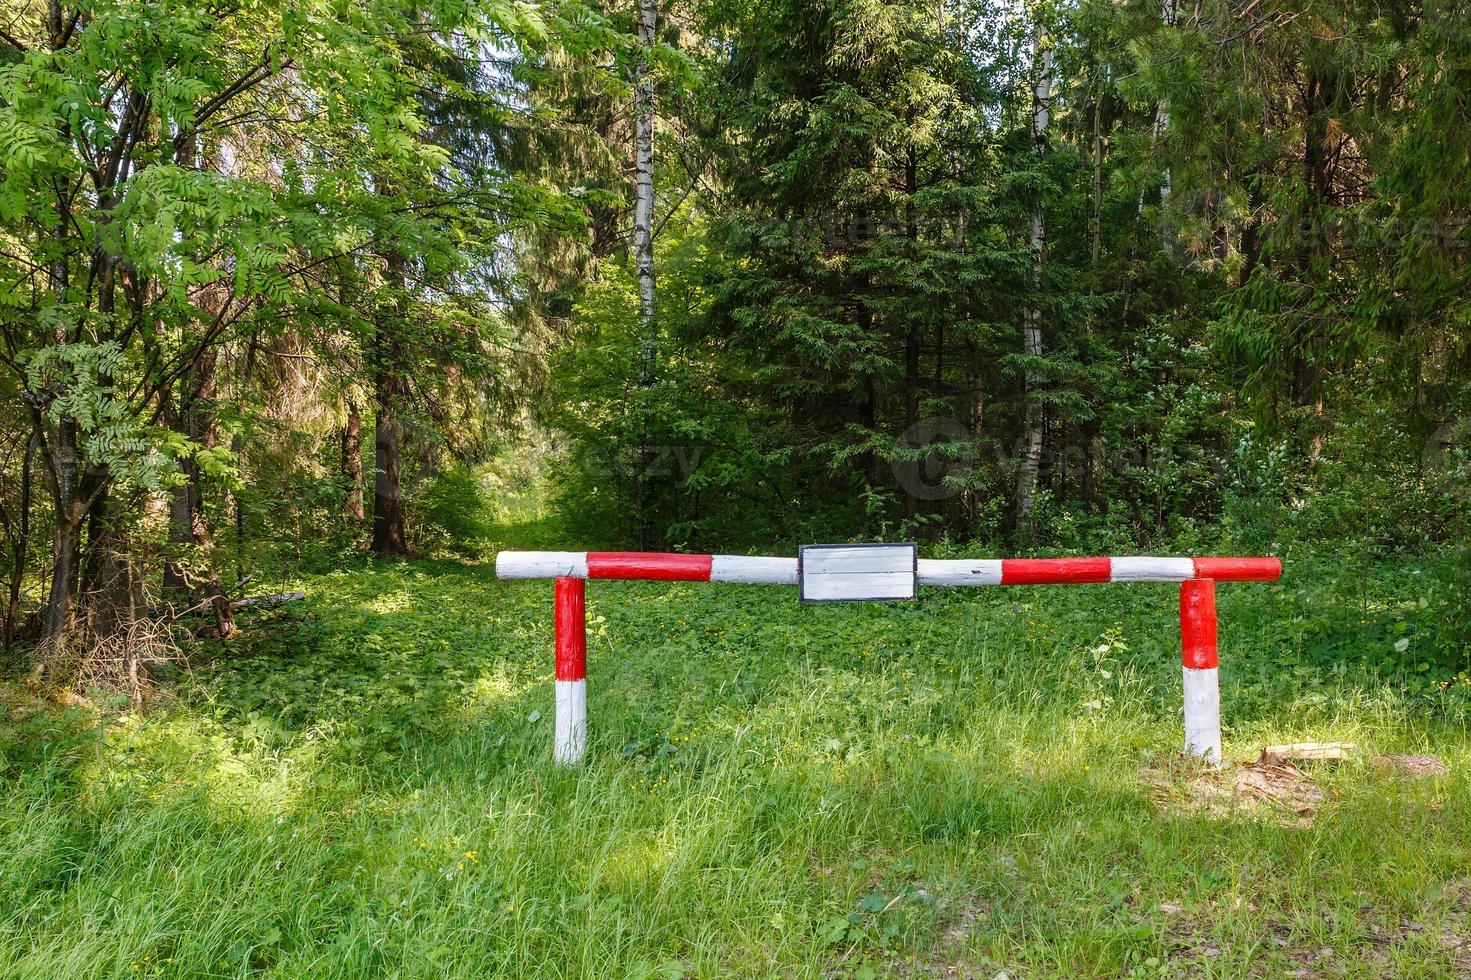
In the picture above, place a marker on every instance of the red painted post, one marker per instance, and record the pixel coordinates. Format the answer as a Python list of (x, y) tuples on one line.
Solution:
[(571, 646), (1200, 660)]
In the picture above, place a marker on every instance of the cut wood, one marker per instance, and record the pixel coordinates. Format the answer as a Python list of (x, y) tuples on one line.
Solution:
[(1307, 752)]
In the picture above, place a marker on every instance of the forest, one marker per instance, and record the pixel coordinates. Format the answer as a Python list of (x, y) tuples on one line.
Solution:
[(309, 307)]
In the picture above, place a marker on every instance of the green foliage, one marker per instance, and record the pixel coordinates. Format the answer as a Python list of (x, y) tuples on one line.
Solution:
[(1252, 299), (858, 263), (218, 225), (457, 511)]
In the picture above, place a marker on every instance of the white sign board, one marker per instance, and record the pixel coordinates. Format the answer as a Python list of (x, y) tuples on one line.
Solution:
[(856, 572)]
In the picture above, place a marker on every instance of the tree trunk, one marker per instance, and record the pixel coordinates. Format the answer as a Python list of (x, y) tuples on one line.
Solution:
[(1156, 133), (66, 547), (112, 592), (643, 247), (219, 603), (1031, 461), (976, 406), (175, 575), (389, 392), (388, 515), (189, 527), (237, 447), (59, 452), (643, 219), (1308, 368), (74, 489), (20, 544), (911, 333), (1095, 223), (869, 407), (351, 465), (1161, 124)]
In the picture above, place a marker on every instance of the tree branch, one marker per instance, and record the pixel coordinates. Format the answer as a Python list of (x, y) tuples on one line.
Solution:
[(71, 25)]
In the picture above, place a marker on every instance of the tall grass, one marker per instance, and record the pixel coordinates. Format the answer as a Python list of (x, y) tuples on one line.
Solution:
[(770, 790)]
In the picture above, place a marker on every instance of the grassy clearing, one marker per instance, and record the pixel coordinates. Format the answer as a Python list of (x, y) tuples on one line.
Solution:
[(771, 790)]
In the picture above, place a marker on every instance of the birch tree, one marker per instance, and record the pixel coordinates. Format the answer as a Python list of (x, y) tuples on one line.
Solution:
[(1031, 462), (643, 231), (1161, 125)]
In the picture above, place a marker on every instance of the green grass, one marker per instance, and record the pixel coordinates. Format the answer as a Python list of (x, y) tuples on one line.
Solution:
[(770, 790)]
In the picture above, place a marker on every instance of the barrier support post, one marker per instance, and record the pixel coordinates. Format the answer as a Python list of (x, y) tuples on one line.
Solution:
[(571, 649), (1199, 656)]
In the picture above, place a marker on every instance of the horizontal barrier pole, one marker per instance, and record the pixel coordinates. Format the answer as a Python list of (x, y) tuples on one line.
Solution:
[(665, 567)]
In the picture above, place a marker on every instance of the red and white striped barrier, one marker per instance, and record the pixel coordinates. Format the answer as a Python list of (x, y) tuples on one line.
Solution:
[(1197, 578), (571, 641)]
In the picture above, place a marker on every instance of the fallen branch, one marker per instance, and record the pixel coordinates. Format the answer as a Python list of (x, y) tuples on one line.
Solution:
[(268, 601)]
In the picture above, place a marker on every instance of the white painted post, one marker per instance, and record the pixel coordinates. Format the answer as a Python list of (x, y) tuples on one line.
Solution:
[(571, 722), (1201, 666)]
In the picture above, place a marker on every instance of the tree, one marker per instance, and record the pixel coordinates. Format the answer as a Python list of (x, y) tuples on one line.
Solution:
[(134, 262), (1031, 461), (643, 227), (390, 393)]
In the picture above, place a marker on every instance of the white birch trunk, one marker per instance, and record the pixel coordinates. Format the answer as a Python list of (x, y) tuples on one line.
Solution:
[(643, 215), (643, 240), (1031, 463), (1161, 124)]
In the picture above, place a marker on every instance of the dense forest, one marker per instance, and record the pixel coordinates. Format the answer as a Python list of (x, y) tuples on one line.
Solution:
[(331, 329), (286, 282)]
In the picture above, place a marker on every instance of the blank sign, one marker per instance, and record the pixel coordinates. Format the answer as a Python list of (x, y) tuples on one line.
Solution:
[(856, 572)]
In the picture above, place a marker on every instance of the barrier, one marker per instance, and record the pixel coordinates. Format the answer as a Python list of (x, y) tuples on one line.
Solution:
[(857, 571)]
